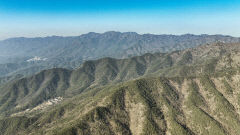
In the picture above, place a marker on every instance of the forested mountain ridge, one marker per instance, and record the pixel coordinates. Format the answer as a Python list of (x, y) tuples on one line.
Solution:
[(108, 44), (27, 56), (194, 91)]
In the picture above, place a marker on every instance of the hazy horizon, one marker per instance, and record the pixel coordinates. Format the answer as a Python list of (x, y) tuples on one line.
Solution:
[(113, 31), (41, 18)]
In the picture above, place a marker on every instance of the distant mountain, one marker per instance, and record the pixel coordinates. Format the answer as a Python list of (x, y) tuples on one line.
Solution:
[(109, 44), (17, 54), (194, 91)]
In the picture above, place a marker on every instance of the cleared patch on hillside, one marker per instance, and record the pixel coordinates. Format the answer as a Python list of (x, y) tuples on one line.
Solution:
[(136, 112)]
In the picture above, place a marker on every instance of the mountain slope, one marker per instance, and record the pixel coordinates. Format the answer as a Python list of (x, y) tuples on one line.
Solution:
[(145, 106), (197, 93), (112, 44), (221, 59), (29, 92), (164, 106), (17, 54)]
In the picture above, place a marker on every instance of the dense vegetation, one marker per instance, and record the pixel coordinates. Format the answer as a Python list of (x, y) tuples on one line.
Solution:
[(194, 91)]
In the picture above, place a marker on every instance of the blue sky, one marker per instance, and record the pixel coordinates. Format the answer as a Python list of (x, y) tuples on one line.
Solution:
[(31, 18)]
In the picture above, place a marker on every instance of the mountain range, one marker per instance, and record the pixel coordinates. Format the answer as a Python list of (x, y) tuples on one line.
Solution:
[(188, 91), (27, 56)]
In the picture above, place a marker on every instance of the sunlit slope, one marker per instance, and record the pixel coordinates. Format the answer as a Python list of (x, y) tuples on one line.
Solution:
[(194, 91), (202, 105)]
